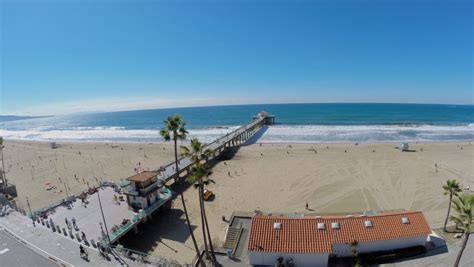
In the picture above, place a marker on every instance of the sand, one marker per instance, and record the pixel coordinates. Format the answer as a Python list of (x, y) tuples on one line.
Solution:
[(271, 177)]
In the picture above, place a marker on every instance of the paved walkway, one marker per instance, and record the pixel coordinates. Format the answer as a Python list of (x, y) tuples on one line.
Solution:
[(57, 248), (88, 219), (14, 253)]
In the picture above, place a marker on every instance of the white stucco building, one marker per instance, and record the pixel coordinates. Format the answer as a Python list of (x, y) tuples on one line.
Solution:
[(310, 241), (146, 192)]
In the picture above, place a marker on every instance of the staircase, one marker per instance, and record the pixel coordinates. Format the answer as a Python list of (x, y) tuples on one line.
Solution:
[(232, 238)]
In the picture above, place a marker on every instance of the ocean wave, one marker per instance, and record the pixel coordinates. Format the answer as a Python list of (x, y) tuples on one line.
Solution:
[(106, 134), (278, 133), (366, 133)]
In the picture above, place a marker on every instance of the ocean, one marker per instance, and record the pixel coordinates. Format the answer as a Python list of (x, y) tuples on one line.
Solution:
[(305, 123)]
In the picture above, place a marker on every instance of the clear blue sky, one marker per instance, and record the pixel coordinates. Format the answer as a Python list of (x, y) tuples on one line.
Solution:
[(69, 56)]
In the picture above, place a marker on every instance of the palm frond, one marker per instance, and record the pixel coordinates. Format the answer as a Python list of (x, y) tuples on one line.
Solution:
[(185, 150), (165, 134), (464, 207)]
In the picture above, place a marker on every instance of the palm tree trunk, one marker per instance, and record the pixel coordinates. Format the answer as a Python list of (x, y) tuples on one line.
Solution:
[(464, 243), (188, 222), (201, 192), (208, 234), (447, 215)]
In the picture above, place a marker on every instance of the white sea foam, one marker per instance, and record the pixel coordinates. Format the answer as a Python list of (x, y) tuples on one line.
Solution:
[(366, 133), (106, 134), (278, 133)]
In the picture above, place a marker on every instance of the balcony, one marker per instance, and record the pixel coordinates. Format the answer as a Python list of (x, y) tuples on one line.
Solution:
[(145, 191)]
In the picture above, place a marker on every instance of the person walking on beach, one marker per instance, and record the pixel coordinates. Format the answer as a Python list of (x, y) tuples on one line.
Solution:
[(83, 235), (307, 206)]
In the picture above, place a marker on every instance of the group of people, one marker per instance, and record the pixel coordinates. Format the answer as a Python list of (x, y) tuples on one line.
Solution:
[(73, 221), (102, 252)]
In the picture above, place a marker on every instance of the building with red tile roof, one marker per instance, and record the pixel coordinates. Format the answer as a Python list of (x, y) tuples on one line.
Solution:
[(309, 241)]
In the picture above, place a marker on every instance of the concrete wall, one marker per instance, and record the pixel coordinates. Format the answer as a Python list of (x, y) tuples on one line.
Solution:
[(300, 259), (343, 250)]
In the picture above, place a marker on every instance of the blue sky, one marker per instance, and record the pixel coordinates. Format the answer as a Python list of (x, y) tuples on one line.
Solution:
[(72, 56)]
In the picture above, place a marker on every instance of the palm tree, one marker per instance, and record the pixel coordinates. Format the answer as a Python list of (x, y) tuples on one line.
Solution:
[(464, 207), (199, 176), (355, 253), (451, 188), (174, 128)]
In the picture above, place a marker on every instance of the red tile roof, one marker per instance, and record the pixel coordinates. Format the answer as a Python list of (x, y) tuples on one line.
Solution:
[(143, 176), (300, 235)]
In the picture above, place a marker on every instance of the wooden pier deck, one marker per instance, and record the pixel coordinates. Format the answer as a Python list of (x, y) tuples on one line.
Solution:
[(234, 138)]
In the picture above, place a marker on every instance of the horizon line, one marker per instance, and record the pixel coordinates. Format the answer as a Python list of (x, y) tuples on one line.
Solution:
[(230, 105)]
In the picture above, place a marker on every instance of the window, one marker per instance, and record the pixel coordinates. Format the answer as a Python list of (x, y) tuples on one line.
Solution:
[(368, 223), (321, 226), (335, 225)]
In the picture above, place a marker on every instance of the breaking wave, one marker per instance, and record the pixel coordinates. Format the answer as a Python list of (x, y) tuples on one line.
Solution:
[(272, 134)]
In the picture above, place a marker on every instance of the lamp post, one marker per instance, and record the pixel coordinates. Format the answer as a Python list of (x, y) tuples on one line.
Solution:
[(103, 219), (4, 178), (65, 188), (31, 214)]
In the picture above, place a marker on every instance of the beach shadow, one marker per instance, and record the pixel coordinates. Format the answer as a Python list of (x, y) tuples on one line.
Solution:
[(253, 140), (410, 150), (168, 225), (436, 246), (168, 246)]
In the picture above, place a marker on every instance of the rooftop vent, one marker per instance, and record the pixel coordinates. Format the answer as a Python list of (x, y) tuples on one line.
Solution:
[(335, 225), (277, 226), (321, 226), (368, 223), (405, 220)]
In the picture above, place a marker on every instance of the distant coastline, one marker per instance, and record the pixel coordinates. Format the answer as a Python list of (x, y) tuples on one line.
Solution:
[(5, 118)]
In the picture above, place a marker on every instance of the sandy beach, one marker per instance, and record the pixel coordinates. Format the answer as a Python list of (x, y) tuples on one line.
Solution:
[(269, 177)]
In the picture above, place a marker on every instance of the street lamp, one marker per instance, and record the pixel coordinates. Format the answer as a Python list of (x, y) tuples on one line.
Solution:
[(103, 219), (4, 178)]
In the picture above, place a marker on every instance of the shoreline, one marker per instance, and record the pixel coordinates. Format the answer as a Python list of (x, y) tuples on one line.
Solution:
[(130, 142)]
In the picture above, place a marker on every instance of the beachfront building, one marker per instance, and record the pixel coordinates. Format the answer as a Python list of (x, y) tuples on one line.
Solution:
[(146, 194), (144, 190), (311, 241)]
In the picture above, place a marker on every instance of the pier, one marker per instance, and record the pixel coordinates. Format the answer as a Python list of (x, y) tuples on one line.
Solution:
[(232, 139), (155, 181)]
